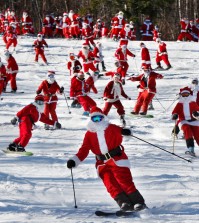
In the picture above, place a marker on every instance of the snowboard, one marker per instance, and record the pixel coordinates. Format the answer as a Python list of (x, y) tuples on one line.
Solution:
[(8, 152)]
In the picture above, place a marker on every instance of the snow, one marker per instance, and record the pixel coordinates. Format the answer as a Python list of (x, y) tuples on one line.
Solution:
[(39, 188)]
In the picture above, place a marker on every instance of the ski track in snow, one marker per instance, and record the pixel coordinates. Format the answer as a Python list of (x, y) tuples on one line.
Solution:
[(38, 189)]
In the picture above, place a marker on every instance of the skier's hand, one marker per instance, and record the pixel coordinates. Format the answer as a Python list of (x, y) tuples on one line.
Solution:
[(14, 121), (195, 114), (58, 125), (61, 90), (126, 132), (174, 117), (71, 164), (129, 98), (38, 92)]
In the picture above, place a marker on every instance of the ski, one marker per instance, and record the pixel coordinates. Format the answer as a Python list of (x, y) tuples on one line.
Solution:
[(115, 213), (8, 152), (10, 92), (142, 116)]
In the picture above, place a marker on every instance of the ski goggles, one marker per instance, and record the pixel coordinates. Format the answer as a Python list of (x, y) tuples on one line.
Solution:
[(97, 118), (51, 75), (185, 94), (40, 102)]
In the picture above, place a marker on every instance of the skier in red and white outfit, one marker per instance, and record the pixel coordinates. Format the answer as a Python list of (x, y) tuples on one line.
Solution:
[(125, 34), (74, 27), (187, 111), (27, 117), (133, 30), (99, 58), (104, 140), (184, 33), (50, 87), (13, 21), (58, 27), (87, 35), (147, 30), (27, 25), (88, 59), (66, 25), (195, 90), (47, 29), (80, 89), (156, 33), (39, 48), (118, 23), (97, 29), (194, 31), (3, 77), (11, 70), (162, 54), (121, 54), (111, 96), (145, 56), (10, 38), (147, 90)]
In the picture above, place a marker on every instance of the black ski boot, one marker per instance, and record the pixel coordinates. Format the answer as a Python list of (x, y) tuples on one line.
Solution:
[(12, 146), (137, 200), (20, 148), (124, 202), (122, 120)]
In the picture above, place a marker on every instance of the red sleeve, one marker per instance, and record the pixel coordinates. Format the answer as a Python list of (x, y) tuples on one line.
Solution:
[(23, 112), (129, 53), (69, 65), (40, 88), (122, 92)]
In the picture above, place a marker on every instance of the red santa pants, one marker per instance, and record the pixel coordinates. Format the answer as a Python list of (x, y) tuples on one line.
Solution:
[(66, 32), (50, 109), (74, 30), (10, 42), (117, 104), (86, 102), (125, 66), (143, 101), (12, 79), (115, 32), (163, 57), (27, 30), (47, 31), (191, 131), (41, 53), (186, 36), (124, 42), (25, 133), (116, 179), (89, 66)]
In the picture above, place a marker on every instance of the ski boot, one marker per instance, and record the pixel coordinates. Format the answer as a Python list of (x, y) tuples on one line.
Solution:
[(122, 120), (46, 127), (190, 152), (124, 202), (142, 113), (134, 113), (20, 148), (12, 146), (151, 106)]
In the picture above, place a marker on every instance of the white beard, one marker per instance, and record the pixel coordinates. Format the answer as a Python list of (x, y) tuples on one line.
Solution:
[(98, 126), (40, 108), (85, 52)]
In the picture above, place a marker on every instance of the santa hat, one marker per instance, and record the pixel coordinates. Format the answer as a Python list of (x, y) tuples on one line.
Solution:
[(96, 111), (39, 97), (185, 90), (50, 72), (146, 67)]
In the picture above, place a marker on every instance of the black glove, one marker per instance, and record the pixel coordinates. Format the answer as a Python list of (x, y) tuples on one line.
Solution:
[(174, 116), (61, 90), (195, 114), (33, 45), (38, 92), (46, 46), (14, 121), (58, 125), (126, 132), (176, 130), (138, 86), (71, 164)]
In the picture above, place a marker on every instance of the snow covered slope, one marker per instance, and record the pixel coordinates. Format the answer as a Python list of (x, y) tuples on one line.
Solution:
[(39, 189)]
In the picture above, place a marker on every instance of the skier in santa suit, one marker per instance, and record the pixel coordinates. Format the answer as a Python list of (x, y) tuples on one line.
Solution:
[(121, 54), (113, 167), (156, 33), (58, 27), (195, 90), (162, 54), (125, 34), (194, 31), (74, 27), (87, 35), (111, 96), (27, 26), (13, 21), (145, 55), (39, 44), (27, 117), (97, 32), (184, 34), (99, 58), (133, 30), (50, 87), (66, 25), (11, 38), (47, 29), (3, 77), (187, 111), (147, 89), (118, 23), (11, 70), (147, 30), (80, 89), (88, 58)]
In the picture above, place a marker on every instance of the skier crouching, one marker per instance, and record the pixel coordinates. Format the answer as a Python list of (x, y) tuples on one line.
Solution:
[(104, 140)]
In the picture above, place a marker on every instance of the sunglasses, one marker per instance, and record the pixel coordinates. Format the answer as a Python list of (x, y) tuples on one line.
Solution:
[(97, 118), (185, 95)]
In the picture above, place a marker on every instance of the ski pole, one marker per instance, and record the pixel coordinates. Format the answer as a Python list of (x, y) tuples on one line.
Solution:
[(67, 104), (161, 148), (160, 103), (174, 135), (73, 188), (172, 103)]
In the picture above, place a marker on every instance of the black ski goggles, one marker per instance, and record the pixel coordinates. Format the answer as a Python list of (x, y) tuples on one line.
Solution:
[(97, 118), (40, 102), (185, 94)]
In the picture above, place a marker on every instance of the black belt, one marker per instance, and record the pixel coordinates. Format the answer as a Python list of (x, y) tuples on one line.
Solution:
[(114, 152)]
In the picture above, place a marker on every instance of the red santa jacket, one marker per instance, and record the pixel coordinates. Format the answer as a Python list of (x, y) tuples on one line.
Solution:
[(97, 52), (74, 66), (87, 58), (185, 26), (10, 36), (102, 143), (40, 44), (113, 91), (185, 110), (74, 19), (162, 48), (148, 82), (124, 34), (2, 71), (145, 56), (122, 56), (66, 22), (32, 115), (49, 91), (87, 32), (118, 22), (80, 87), (26, 22), (12, 67), (147, 29)]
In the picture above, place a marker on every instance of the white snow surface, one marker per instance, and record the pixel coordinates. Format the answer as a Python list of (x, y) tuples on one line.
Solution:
[(39, 188)]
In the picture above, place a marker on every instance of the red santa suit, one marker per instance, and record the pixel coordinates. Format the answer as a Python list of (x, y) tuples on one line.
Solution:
[(74, 66), (112, 93), (121, 54), (49, 89), (27, 26), (145, 56), (147, 30), (87, 35), (119, 70), (118, 23), (27, 118), (39, 48), (125, 34), (80, 89), (104, 140), (11, 39), (189, 124), (3, 77), (58, 27), (88, 58), (147, 89), (97, 29), (194, 31), (74, 27), (99, 58), (66, 25), (162, 54), (47, 29), (184, 34), (12, 70)]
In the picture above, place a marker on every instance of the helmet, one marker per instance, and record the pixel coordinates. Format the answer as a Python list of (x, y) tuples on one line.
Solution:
[(39, 97)]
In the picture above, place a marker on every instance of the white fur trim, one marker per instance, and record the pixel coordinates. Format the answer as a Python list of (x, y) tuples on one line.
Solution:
[(194, 123), (102, 141), (76, 159), (96, 113)]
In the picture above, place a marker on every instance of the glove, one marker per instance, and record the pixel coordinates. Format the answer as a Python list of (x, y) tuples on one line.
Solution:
[(134, 56), (195, 114), (174, 116), (33, 45), (138, 86), (71, 164), (14, 121), (46, 46), (129, 98), (176, 130), (61, 90), (126, 132), (58, 125), (38, 92)]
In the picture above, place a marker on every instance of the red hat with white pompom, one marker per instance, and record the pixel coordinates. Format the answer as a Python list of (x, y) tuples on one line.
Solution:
[(96, 111), (185, 90)]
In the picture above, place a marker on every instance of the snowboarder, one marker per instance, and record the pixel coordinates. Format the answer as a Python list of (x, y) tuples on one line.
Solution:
[(105, 141), (27, 117), (187, 111)]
